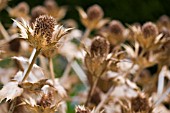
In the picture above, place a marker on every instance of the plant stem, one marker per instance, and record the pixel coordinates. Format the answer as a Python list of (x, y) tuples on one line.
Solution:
[(67, 70), (51, 69), (86, 34), (26, 72), (104, 100), (90, 94), (4, 32)]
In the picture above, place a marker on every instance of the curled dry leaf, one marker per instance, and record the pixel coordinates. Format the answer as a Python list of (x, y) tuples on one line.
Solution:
[(10, 91), (33, 86)]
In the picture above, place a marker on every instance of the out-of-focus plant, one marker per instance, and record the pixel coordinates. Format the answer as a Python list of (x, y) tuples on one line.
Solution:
[(111, 71)]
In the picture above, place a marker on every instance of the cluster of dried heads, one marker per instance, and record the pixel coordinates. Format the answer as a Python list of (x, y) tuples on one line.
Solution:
[(122, 69)]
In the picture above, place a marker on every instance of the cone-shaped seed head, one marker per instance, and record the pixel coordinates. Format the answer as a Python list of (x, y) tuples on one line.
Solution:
[(95, 12), (44, 26)]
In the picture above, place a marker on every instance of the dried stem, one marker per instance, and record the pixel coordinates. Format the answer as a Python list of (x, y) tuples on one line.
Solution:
[(51, 69), (92, 89), (67, 70), (4, 32), (26, 72), (104, 100), (86, 34), (68, 67)]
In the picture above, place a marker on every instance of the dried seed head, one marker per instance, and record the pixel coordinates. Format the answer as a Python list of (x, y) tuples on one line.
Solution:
[(149, 29), (99, 47), (37, 11), (95, 12), (50, 4), (3, 4), (116, 27), (140, 103), (164, 20), (81, 109), (44, 26), (23, 7), (46, 100)]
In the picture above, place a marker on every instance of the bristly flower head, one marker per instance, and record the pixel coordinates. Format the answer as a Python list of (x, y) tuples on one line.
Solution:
[(116, 27), (149, 29), (99, 47), (37, 11), (95, 12), (45, 33), (44, 26), (140, 103), (93, 18)]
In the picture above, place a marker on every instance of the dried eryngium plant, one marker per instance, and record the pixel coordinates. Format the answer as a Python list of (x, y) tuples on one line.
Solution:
[(44, 35), (114, 69)]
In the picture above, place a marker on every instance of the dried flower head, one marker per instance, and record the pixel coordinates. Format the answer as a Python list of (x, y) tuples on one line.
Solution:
[(149, 29), (37, 11), (45, 33), (50, 4), (93, 18), (115, 32), (81, 109), (21, 10), (116, 27), (140, 103), (99, 47), (3, 4), (44, 26), (95, 12), (54, 10), (164, 20), (96, 59)]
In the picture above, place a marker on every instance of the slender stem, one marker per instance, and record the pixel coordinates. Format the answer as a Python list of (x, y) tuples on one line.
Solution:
[(51, 69), (26, 72), (92, 89), (4, 32), (67, 70), (104, 100), (86, 34)]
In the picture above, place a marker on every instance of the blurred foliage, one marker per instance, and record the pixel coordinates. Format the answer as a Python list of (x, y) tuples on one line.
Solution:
[(127, 11)]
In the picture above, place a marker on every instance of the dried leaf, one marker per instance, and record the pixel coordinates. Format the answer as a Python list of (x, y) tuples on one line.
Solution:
[(33, 86), (10, 91)]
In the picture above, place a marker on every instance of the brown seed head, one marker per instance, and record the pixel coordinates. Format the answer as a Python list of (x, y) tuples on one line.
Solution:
[(23, 7), (149, 29), (95, 12), (164, 20), (37, 11), (99, 47), (46, 100), (140, 103), (50, 4), (81, 109), (44, 26), (116, 27)]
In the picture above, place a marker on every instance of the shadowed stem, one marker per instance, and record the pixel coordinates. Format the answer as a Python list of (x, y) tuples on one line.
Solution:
[(26, 73), (4, 32), (90, 94), (104, 100), (68, 67), (51, 69), (86, 34)]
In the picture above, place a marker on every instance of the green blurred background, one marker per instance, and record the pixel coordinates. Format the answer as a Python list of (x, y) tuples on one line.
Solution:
[(127, 11)]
